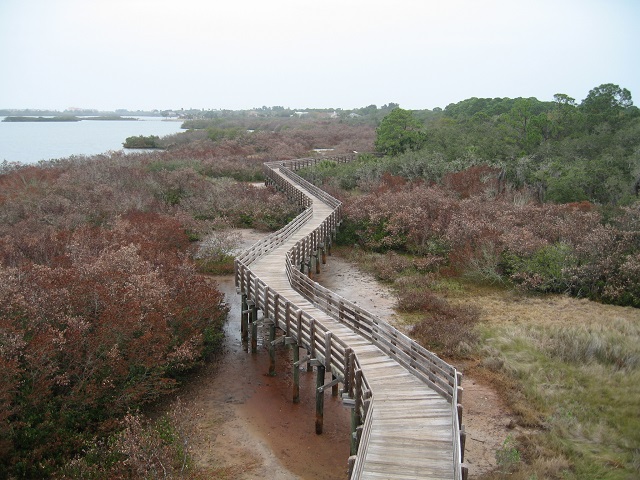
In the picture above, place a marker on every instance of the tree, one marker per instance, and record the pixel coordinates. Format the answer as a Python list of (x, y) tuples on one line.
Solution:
[(529, 122), (606, 103), (399, 132), (565, 117)]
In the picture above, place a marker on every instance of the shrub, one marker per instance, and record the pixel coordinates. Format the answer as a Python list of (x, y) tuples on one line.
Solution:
[(142, 141), (507, 456), (109, 326), (139, 449), (544, 271), (444, 328)]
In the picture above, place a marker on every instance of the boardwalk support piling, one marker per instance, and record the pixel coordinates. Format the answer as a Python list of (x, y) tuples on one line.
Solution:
[(296, 374), (320, 371), (244, 318), (352, 463), (352, 442), (254, 329), (272, 350)]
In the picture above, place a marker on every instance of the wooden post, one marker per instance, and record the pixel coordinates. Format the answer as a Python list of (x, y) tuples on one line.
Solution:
[(460, 390), (317, 262), (287, 318), (299, 327), (353, 445), (254, 329), (272, 350), (352, 463), (323, 246), (347, 370), (244, 319), (358, 397), (334, 388), (312, 346), (352, 374), (296, 374), (265, 311), (320, 371), (327, 350)]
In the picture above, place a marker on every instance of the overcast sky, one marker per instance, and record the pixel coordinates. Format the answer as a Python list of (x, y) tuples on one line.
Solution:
[(240, 54)]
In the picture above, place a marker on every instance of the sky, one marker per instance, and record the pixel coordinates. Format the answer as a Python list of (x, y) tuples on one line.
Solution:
[(243, 54)]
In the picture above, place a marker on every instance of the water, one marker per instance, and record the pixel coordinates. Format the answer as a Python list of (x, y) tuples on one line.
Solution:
[(30, 142)]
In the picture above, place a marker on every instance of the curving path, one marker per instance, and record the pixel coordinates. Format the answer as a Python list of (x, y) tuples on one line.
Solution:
[(406, 413)]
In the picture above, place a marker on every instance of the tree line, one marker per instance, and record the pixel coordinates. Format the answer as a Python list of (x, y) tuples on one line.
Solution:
[(570, 152), (539, 195)]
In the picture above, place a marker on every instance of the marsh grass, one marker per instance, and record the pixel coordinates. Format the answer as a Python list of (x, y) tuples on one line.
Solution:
[(581, 382)]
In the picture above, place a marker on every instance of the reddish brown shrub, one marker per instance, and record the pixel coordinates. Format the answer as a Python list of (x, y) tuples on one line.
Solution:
[(474, 181)]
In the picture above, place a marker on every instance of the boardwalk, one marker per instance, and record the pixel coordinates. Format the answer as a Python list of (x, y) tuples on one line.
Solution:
[(405, 400)]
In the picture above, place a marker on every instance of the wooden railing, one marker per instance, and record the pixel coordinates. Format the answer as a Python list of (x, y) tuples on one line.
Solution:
[(301, 328)]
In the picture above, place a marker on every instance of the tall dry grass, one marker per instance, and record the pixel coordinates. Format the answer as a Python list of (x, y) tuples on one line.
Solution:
[(572, 373)]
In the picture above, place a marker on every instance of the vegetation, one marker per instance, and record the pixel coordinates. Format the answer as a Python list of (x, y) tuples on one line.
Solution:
[(117, 118), (141, 141), (570, 372), (103, 307), (537, 221), (398, 132), (63, 118), (518, 198)]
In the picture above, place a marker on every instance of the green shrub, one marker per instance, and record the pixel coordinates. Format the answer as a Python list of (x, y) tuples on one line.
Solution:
[(507, 456), (544, 271), (151, 141)]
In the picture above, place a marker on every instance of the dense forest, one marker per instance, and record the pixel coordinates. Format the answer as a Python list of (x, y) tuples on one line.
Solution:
[(104, 302)]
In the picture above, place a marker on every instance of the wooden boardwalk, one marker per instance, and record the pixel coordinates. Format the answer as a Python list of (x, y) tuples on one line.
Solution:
[(405, 399)]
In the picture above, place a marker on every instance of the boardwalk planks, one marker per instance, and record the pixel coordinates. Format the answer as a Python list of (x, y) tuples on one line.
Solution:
[(405, 396)]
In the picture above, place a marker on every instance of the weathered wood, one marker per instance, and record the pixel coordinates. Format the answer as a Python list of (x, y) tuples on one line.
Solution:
[(272, 350), (334, 387), (244, 319), (399, 390), (320, 373), (287, 318), (296, 374), (254, 329)]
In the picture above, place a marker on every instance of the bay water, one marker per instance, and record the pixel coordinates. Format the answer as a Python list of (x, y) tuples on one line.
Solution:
[(30, 142)]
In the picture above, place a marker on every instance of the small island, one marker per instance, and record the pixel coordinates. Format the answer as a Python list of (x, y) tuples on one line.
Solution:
[(141, 141), (66, 118), (61, 118), (111, 118)]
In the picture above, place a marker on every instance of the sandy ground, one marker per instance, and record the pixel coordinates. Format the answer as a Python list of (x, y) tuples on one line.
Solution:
[(246, 426)]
